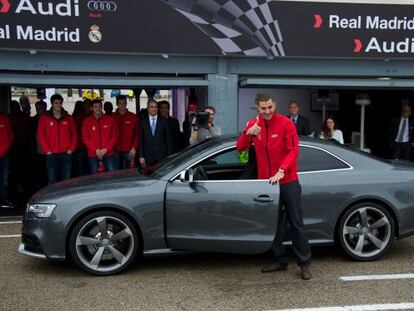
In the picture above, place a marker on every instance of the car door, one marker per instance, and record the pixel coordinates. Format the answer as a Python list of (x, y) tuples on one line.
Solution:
[(214, 210)]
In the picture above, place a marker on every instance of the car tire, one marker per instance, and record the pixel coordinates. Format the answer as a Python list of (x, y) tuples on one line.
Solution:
[(104, 243), (366, 231)]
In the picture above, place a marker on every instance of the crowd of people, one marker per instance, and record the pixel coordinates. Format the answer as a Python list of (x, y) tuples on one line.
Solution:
[(54, 145)]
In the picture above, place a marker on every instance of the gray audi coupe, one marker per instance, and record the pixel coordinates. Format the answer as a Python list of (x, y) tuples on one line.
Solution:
[(201, 200)]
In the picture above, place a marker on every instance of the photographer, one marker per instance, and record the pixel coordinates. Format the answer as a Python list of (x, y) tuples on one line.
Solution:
[(203, 127)]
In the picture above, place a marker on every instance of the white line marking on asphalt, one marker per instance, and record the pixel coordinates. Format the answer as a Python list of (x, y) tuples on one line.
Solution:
[(377, 277), (381, 307), (10, 222), (10, 236)]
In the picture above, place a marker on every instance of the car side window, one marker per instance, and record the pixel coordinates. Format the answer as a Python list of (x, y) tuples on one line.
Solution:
[(226, 165), (312, 159)]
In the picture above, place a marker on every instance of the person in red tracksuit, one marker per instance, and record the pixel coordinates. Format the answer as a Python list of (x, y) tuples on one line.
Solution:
[(100, 135), (6, 139), (58, 139), (276, 145), (128, 126)]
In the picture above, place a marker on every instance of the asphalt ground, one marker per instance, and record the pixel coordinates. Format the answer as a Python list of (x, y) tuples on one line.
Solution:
[(200, 282)]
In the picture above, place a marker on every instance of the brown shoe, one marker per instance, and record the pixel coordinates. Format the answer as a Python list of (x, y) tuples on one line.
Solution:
[(276, 266), (306, 274)]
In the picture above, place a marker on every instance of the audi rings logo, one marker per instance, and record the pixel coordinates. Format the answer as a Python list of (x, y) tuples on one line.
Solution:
[(102, 6)]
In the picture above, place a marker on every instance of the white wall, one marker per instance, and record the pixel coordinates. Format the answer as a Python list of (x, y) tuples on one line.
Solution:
[(247, 107)]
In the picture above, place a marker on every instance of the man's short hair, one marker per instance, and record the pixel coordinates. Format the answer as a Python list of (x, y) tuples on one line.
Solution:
[(56, 97), (210, 108), (263, 97), (152, 101), (41, 103), (121, 97), (293, 102), (164, 102), (96, 101)]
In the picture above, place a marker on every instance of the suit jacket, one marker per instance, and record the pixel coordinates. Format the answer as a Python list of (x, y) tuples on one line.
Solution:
[(154, 148), (302, 125), (395, 126)]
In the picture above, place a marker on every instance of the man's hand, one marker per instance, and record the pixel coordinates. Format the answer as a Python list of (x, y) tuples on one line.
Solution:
[(142, 162), (132, 153), (255, 129), (278, 176), (104, 151), (49, 153)]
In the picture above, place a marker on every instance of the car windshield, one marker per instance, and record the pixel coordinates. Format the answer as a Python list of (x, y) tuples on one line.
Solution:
[(188, 153)]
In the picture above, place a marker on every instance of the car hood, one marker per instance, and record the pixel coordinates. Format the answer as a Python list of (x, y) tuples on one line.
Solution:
[(96, 182), (402, 165)]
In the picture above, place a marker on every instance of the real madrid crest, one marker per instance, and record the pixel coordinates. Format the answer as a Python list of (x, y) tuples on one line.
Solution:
[(95, 35)]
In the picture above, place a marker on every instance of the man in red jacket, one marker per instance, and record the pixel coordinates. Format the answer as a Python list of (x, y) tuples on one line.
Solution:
[(100, 134), (128, 127), (6, 139), (276, 146), (57, 138)]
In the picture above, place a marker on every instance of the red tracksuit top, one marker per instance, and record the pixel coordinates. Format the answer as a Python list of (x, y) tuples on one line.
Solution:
[(276, 147), (57, 136), (6, 135), (128, 125), (100, 133)]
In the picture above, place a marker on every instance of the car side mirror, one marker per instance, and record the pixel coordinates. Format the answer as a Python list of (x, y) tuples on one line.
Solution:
[(187, 176)]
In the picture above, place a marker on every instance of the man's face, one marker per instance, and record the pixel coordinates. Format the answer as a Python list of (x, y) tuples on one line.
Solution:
[(122, 104), (164, 111), (406, 112), (211, 115), (97, 109), (152, 109), (293, 109), (40, 109), (266, 109), (57, 105)]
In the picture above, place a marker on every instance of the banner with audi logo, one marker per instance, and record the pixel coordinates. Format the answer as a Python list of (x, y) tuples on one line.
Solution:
[(255, 28)]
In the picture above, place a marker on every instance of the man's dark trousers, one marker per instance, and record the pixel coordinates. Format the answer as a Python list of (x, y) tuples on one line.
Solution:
[(401, 151), (290, 209)]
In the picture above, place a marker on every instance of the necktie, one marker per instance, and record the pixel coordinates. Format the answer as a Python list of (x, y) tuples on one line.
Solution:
[(153, 125), (400, 138), (294, 120)]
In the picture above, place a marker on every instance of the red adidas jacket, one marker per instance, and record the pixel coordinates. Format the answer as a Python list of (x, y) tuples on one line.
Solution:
[(276, 147), (57, 136), (100, 133), (6, 135), (128, 125)]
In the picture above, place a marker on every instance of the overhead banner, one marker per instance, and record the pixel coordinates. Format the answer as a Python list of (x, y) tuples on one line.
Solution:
[(256, 28)]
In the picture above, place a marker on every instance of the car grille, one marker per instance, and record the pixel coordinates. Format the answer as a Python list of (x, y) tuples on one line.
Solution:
[(31, 243)]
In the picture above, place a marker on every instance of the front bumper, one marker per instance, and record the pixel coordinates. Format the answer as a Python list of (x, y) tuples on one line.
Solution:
[(23, 251)]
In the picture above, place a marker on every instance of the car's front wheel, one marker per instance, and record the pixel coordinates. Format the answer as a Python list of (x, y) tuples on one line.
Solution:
[(104, 243), (366, 231)]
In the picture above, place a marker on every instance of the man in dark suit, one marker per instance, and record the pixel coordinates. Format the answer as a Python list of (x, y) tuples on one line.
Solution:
[(400, 135), (301, 123), (173, 126), (154, 141)]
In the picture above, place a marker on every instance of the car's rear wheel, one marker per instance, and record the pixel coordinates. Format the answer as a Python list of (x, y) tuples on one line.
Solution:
[(104, 243), (366, 231)]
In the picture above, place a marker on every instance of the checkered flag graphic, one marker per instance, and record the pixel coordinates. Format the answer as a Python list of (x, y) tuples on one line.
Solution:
[(244, 27)]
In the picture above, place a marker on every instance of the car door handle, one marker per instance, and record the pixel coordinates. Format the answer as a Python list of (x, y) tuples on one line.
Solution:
[(263, 198)]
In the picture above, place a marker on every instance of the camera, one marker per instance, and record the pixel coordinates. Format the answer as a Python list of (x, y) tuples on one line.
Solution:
[(201, 119)]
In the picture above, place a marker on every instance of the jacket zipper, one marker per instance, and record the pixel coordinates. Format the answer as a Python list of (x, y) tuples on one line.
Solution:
[(267, 148), (100, 134)]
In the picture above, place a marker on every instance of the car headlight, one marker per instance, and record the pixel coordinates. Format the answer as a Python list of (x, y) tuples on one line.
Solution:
[(41, 210)]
